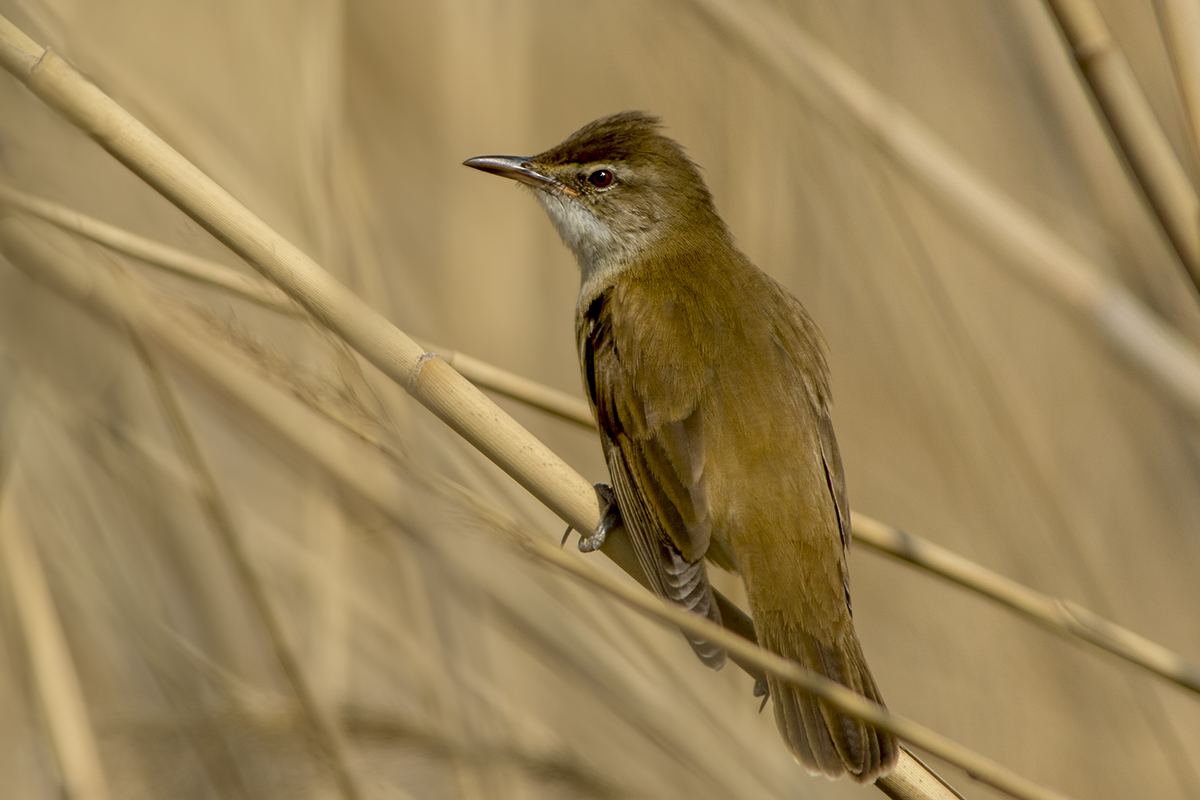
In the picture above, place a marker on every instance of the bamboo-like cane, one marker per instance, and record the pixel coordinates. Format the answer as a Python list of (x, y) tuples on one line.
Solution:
[(357, 471), (1061, 616), (509, 384), (56, 683), (1135, 129), (1037, 255)]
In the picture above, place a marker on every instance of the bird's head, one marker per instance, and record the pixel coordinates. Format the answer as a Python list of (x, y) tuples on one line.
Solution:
[(616, 189)]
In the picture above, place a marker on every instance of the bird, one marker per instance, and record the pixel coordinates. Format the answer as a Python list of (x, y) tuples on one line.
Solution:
[(709, 385)]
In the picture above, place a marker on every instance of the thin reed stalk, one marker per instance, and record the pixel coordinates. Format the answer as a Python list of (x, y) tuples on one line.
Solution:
[(357, 470), (152, 252), (1037, 255), (264, 293), (1181, 20), (371, 725), (324, 728), (1136, 131), (55, 679), (1062, 616)]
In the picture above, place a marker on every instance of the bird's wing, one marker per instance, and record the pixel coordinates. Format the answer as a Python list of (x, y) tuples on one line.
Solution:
[(665, 470), (798, 335), (655, 454), (657, 443), (831, 459)]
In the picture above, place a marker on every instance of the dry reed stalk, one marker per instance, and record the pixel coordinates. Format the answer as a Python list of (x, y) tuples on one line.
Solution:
[(321, 723), (160, 255), (328, 656), (1039, 257), (710, 753), (509, 384), (374, 726), (1181, 18), (55, 680), (359, 471), (1061, 616), (1135, 129)]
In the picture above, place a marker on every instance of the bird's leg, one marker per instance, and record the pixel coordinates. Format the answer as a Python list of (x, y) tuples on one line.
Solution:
[(610, 517)]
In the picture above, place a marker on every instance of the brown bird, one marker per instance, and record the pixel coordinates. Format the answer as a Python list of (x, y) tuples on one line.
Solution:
[(709, 385)]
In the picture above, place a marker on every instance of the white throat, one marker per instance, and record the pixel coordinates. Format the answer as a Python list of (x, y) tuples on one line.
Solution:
[(599, 251)]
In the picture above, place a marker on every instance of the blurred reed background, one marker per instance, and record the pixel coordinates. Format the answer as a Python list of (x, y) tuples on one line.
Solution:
[(170, 567)]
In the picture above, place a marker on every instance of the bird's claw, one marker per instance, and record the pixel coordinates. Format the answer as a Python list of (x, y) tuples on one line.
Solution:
[(762, 689), (610, 517)]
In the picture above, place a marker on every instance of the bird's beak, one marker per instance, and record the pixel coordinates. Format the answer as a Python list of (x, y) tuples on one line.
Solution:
[(518, 168)]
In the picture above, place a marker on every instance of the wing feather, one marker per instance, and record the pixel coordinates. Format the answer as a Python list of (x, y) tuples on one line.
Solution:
[(655, 454)]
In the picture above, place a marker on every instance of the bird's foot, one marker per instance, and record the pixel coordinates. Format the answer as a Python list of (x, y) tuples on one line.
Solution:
[(610, 517)]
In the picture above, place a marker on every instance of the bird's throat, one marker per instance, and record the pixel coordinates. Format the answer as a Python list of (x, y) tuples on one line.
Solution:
[(599, 250)]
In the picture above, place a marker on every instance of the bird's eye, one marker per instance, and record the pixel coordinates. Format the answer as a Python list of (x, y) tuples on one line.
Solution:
[(600, 178)]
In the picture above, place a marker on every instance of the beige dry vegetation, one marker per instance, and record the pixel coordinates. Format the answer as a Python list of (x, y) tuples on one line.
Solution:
[(211, 589)]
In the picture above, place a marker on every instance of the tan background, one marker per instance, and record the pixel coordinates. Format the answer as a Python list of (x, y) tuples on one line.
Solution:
[(970, 409)]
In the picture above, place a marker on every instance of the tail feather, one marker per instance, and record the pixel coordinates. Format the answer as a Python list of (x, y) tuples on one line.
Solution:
[(851, 736), (824, 750), (822, 738), (791, 724)]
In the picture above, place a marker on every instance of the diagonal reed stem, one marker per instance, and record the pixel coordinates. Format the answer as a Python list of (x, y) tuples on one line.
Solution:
[(1061, 616)]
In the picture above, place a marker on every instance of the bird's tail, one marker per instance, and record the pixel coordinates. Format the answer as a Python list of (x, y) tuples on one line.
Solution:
[(822, 738)]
